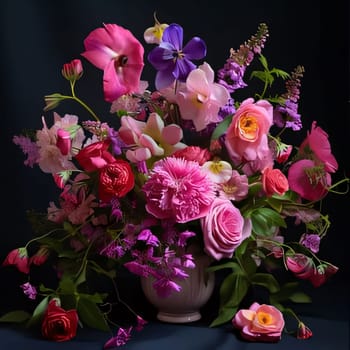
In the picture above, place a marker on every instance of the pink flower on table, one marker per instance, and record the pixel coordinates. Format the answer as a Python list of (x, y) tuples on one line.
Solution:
[(274, 182), (122, 337), (263, 323), (246, 137), (224, 229), (151, 138), (119, 54), (19, 258), (178, 189), (303, 332), (203, 98)]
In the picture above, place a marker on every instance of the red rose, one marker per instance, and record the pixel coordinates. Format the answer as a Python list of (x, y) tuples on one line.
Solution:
[(116, 180), (95, 156), (59, 324), (195, 153), (274, 181)]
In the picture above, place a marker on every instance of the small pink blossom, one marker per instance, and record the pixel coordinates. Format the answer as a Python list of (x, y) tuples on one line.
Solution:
[(151, 138), (236, 188), (202, 99)]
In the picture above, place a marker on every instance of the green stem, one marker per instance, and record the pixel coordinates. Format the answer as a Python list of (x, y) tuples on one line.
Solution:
[(43, 236)]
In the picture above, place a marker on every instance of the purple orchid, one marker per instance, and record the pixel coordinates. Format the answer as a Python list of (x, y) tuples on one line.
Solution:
[(171, 60)]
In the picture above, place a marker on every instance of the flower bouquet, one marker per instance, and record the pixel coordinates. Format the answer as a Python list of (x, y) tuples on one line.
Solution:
[(184, 163)]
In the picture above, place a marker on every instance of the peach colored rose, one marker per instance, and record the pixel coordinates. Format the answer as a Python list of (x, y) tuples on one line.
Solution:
[(246, 137), (224, 229), (260, 323), (274, 181)]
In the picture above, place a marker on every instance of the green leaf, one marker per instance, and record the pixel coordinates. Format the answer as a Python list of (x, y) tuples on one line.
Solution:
[(232, 290), (228, 265), (225, 315), (91, 315), (67, 286), (266, 280), (221, 128), (280, 73), (17, 316), (81, 277), (93, 266), (275, 204), (39, 311), (96, 298), (300, 297)]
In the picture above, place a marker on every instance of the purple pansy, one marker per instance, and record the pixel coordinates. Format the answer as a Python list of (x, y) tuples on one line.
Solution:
[(171, 60)]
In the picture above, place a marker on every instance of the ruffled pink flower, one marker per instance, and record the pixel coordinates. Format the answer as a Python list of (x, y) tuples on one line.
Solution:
[(151, 138), (236, 188), (119, 54), (263, 323), (224, 229), (203, 98), (246, 137), (178, 189)]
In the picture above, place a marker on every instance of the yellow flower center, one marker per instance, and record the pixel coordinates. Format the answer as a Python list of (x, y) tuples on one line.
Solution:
[(264, 318), (248, 127)]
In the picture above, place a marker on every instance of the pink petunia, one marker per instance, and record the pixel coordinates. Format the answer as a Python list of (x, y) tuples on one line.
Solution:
[(119, 54), (178, 189)]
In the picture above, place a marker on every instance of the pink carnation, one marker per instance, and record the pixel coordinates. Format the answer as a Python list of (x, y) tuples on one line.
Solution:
[(178, 189)]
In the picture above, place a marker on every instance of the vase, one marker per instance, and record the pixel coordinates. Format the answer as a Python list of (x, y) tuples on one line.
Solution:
[(183, 306)]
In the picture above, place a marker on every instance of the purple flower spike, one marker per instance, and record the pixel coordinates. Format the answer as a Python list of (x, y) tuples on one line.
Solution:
[(171, 60)]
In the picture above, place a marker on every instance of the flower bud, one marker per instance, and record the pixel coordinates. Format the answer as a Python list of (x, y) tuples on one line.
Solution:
[(73, 70), (63, 142)]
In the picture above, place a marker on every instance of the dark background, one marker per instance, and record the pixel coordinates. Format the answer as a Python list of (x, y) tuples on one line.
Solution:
[(38, 37)]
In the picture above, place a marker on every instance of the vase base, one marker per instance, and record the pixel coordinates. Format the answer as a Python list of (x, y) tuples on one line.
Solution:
[(178, 318)]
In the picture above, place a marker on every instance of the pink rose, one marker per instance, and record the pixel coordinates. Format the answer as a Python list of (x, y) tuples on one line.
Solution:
[(274, 181), (224, 229), (259, 323), (95, 156), (246, 137)]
